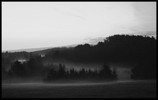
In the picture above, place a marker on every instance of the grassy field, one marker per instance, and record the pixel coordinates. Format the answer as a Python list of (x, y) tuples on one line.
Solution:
[(129, 89)]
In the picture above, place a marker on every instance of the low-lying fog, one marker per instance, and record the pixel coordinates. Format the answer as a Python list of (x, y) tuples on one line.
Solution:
[(75, 83), (123, 70)]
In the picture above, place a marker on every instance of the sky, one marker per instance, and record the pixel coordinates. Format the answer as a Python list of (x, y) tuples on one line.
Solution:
[(53, 24)]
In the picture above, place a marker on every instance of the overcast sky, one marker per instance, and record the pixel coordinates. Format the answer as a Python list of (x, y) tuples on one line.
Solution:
[(51, 24)]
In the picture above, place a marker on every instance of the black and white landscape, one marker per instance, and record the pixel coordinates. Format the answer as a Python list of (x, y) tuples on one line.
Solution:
[(79, 50)]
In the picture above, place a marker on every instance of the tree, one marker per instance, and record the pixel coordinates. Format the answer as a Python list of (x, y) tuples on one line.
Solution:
[(82, 73), (106, 72), (17, 69), (144, 70), (61, 71), (35, 66), (114, 74)]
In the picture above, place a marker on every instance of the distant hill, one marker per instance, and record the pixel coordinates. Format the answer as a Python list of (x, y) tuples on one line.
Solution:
[(28, 50), (114, 47), (38, 50), (48, 50)]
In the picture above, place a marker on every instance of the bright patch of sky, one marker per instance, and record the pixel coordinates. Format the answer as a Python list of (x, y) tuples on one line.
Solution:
[(52, 24)]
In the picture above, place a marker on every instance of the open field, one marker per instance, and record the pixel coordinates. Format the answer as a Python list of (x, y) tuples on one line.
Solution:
[(119, 89)]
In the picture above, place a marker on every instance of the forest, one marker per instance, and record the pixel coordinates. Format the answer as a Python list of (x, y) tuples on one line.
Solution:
[(117, 48)]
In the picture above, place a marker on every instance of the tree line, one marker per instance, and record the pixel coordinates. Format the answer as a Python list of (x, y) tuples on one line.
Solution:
[(33, 67), (105, 74), (114, 48)]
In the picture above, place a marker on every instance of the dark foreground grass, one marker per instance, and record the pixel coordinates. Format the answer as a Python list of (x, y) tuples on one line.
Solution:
[(136, 89)]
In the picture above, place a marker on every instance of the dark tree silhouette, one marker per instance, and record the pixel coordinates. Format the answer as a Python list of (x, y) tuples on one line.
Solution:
[(17, 69), (106, 72), (114, 48), (114, 74), (144, 70), (61, 73), (35, 66)]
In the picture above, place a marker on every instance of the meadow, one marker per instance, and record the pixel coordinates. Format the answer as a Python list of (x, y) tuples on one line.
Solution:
[(115, 89)]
